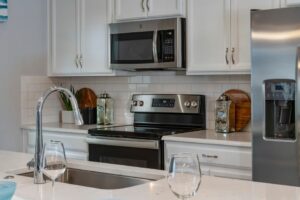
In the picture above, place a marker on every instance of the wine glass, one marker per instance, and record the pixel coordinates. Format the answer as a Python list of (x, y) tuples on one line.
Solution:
[(54, 160), (184, 175)]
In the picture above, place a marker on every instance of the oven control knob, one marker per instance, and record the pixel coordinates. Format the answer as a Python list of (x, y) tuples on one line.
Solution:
[(141, 103), (134, 103), (194, 104), (187, 104)]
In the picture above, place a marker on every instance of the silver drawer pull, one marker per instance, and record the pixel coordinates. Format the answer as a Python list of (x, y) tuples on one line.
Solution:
[(209, 156), (143, 5), (76, 61), (232, 56), (226, 56), (148, 6), (81, 61)]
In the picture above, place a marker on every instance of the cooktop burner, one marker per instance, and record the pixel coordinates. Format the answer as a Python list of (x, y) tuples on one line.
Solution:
[(142, 132)]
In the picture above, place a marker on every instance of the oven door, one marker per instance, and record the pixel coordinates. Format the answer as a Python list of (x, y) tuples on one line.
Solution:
[(132, 152)]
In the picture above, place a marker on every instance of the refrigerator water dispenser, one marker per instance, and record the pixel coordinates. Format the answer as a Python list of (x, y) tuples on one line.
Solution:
[(280, 109)]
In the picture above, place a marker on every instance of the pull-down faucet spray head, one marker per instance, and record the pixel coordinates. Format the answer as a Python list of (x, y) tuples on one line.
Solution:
[(38, 175)]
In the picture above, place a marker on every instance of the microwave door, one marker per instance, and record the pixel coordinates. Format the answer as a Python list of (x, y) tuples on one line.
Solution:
[(132, 49)]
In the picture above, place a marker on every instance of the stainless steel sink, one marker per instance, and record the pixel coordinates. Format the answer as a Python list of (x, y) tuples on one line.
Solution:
[(96, 179)]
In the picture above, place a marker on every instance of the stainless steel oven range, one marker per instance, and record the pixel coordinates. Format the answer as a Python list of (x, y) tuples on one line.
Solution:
[(140, 144)]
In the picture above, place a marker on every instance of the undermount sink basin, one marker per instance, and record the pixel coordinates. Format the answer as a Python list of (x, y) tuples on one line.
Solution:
[(96, 179)]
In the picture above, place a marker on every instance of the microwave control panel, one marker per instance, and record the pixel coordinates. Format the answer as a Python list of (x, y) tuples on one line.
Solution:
[(168, 45)]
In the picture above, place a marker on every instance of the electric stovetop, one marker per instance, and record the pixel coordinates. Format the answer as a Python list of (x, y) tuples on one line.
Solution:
[(138, 131)]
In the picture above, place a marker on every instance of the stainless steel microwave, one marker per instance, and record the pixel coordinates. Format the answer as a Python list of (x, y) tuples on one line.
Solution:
[(148, 45)]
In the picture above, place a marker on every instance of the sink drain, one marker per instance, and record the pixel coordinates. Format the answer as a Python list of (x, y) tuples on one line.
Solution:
[(9, 177)]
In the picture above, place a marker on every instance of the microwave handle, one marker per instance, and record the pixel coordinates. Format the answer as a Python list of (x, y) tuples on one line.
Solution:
[(154, 46)]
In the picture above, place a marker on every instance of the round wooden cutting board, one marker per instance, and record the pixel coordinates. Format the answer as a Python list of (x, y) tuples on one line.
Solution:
[(242, 107), (86, 98)]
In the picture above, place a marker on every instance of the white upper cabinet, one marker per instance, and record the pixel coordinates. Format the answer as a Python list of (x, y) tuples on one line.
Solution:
[(219, 35), (126, 10), (78, 37), (63, 45), (94, 37), (130, 9), (240, 31), (286, 3), (157, 8), (208, 35)]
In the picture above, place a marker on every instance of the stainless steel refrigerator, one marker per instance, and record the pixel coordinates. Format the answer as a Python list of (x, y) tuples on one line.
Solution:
[(275, 40)]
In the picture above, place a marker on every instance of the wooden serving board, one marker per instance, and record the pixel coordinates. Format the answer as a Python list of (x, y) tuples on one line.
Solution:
[(86, 98), (242, 107)]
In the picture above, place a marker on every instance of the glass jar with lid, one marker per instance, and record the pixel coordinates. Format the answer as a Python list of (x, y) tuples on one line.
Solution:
[(224, 115), (105, 109)]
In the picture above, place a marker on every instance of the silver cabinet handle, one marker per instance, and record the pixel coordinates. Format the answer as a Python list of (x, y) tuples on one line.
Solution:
[(148, 6), (81, 61), (232, 55), (226, 56), (297, 97), (143, 5), (76, 61), (209, 156)]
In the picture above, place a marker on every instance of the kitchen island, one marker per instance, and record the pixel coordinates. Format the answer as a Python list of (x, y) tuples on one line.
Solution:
[(212, 188)]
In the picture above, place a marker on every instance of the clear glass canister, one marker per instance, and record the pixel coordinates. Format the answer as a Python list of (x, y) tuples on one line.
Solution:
[(105, 109), (224, 115), (109, 112)]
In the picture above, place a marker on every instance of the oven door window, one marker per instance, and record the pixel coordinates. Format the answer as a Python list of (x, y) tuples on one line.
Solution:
[(148, 158), (132, 48)]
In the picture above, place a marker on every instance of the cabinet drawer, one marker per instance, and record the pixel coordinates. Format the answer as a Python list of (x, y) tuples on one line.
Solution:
[(69, 154), (218, 155), (72, 142)]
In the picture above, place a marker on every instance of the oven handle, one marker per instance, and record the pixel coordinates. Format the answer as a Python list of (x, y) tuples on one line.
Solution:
[(124, 142), (154, 46)]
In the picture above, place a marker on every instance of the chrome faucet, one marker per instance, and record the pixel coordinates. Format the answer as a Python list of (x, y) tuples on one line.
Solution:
[(38, 175)]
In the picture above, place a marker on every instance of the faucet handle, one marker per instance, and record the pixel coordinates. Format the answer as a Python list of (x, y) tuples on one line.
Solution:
[(30, 164)]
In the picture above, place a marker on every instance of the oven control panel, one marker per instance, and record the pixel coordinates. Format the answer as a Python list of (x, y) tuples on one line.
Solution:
[(168, 103), (163, 103)]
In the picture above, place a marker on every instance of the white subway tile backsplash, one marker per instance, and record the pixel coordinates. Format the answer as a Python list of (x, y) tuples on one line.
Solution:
[(122, 88)]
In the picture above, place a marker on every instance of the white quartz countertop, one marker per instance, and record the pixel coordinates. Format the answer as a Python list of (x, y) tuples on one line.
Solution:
[(212, 188), (211, 137), (203, 136), (67, 128)]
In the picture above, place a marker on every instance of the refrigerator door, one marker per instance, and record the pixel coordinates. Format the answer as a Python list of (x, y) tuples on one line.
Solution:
[(275, 40)]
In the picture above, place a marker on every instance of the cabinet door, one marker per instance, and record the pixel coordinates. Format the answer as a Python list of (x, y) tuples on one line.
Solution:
[(75, 144), (286, 3), (208, 23), (240, 49), (159, 8), (64, 37), (94, 37), (217, 160), (130, 9)]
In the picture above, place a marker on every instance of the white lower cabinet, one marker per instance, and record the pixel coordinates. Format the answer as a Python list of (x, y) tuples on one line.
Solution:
[(216, 160), (75, 145)]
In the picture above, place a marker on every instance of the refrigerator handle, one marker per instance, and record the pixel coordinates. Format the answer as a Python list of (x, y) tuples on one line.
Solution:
[(297, 95)]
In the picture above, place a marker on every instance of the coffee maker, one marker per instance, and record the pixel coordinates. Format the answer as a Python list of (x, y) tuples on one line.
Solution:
[(279, 109)]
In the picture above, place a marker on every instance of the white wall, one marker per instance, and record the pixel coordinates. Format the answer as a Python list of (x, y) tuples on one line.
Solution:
[(22, 52)]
